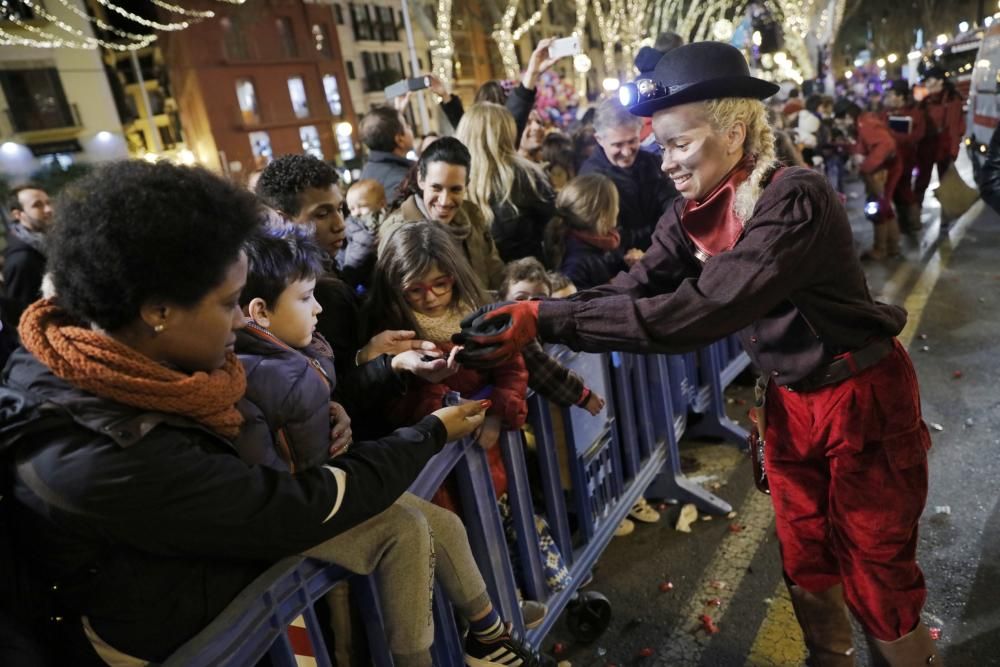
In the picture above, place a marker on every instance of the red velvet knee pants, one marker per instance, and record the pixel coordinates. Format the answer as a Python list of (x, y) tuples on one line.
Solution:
[(847, 466)]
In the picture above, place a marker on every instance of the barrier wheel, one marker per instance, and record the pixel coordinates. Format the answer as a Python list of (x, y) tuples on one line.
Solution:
[(588, 615)]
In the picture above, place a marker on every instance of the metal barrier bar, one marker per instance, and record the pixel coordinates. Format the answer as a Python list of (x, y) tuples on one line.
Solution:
[(613, 458)]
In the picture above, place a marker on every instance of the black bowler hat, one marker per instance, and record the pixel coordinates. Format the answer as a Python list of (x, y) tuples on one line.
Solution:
[(692, 73)]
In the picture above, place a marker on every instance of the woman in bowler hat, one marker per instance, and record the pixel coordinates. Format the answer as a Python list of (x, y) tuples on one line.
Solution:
[(767, 252)]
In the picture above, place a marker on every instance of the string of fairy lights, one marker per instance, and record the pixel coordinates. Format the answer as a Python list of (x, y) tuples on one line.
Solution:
[(61, 34), (627, 23)]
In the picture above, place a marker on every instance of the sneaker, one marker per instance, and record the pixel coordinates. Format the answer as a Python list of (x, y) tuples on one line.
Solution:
[(508, 651), (624, 528), (643, 511), (533, 613)]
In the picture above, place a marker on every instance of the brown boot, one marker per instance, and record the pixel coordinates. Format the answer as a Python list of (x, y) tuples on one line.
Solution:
[(825, 625), (911, 650), (891, 237), (878, 250)]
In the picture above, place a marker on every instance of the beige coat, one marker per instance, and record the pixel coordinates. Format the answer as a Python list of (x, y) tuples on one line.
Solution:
[(470, 231)]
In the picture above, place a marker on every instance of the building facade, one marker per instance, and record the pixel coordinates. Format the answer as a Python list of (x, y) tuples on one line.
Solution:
[(58, 106), (261, 80)]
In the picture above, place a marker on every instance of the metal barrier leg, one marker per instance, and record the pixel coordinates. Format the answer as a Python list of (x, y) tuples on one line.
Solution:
[(519, 495), (365, 596), (555, 502), (714, 422), (671, 482), (448, 648), (625, 415), (482, 521)]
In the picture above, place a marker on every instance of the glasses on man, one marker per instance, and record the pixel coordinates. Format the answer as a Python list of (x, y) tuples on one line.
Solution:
[(438, 287)]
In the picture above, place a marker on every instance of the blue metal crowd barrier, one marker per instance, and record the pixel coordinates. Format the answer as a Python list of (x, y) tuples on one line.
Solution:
[(629, 449)]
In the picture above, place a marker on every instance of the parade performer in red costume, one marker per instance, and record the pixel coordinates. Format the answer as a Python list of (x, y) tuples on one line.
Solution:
[(769, 253)]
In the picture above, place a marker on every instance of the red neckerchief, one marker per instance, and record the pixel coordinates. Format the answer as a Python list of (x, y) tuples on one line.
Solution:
[(711, 223), (609, 241)]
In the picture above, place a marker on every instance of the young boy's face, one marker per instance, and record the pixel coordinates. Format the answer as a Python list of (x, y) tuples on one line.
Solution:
[(523, 290), (363, 201), (293, 318)]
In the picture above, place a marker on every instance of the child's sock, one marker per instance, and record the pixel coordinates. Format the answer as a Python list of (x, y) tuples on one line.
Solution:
[(489, 628)]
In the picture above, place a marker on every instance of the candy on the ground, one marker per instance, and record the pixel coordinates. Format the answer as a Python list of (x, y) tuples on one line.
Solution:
[(707, 624), (923, 336), (666, 586), (645, 652), (936, 426), (688, 515), (731, 515), (558, 648), (926, 348), (942, 509), (718, 584), (601, 651), (735, 528), (956, 374), (935, 633), (714, 602)]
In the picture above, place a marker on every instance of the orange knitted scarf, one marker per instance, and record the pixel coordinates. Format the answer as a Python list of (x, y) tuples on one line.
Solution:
[(102, 366)]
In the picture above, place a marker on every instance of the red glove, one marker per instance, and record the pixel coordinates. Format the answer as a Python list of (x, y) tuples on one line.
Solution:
[(495, 333)]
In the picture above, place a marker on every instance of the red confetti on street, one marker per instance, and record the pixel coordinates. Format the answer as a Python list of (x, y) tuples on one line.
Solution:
[(645, 652), (735, 528), (558, 648), (935, 633), (957, 374), (708, 625), (715, 602)]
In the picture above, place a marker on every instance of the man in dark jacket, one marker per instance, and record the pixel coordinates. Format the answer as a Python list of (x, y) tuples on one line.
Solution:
[(389, 138), (24, 257), (643, 191)]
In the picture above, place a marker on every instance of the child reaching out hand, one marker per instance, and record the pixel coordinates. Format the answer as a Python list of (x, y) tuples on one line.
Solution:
[(288, 412)]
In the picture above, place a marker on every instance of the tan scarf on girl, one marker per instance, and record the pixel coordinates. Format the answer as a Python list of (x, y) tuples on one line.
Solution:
[(104, 367), (440, 329)]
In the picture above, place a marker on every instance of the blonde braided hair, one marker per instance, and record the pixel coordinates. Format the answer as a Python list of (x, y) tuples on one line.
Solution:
[(722, 114)]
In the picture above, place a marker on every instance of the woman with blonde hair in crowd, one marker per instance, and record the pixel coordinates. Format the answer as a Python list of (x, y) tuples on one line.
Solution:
[(513, 192), (582, 238), (768, 253)]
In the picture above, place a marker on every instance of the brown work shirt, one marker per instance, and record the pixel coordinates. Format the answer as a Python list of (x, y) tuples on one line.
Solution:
[(792, 286)]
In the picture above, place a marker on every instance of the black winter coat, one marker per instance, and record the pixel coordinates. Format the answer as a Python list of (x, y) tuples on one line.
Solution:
[(587, 266), (519, 233), (644, 194), (23, 269), (150, 524)]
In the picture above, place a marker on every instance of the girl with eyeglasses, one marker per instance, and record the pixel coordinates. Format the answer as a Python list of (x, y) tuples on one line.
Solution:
[(423, 283)]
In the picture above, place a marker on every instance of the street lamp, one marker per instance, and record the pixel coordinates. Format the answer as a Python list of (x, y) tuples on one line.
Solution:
[(611, 84), (963, 26), (941, 39), (848, 75), (892, 58), (880, 62)]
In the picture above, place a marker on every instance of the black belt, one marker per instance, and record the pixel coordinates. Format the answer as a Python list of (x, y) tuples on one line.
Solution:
[(845, 366)]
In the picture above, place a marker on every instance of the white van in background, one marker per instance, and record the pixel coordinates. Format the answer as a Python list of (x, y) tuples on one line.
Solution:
[(984, 97)]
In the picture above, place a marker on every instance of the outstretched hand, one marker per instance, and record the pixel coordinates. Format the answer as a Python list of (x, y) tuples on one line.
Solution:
[(496, 333)]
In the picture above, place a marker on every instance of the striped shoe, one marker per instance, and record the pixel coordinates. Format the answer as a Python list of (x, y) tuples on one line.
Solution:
[(507, 651)]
